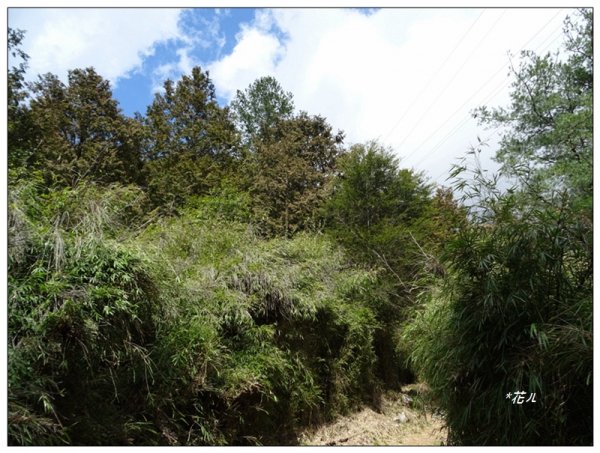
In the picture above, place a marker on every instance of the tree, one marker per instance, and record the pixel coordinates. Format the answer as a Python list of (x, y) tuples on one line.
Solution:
[(19, 119), (548, 126), (382, 215), (16, 74), (375, 205), (261, 106), (515, 312), (191, 141), (81, 132), (290, 169)]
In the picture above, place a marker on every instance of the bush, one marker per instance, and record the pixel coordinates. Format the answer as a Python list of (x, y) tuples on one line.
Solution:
[(78, 345), (81, 314), (189, 331), (259, 337), (515, 315)]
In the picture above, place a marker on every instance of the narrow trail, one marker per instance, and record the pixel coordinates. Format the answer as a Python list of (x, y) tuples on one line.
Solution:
[(400, 421)]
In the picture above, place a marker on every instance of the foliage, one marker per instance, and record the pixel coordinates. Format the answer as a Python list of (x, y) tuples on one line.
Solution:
[(19, 119), (80, 324), (169, 283), (80, 132), (286, 160), (290, 170), (190, 140), (178, 335), (16, 74), (260, 337), (376, 210), (515, 311), (261, 106), (384, 217), (225, 203), (549, 131), (515, 315)]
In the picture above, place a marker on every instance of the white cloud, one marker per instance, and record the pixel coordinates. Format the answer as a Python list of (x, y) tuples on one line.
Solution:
[(173, 70), (202, 31), (381, 75), (114, 41), (254, 56), (197, 32)]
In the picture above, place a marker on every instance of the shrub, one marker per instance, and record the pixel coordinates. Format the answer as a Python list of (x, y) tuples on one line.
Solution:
[(78, 345), (258, 337), (80, 316), (190, 331), (515, 315)]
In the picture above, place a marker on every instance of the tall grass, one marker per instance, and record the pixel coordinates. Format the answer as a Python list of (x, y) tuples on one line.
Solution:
[(189, 330), (279, 338), (80, 322)]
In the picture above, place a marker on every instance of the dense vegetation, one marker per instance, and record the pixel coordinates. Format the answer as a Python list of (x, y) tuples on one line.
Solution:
[(217, 275), (515, 313)]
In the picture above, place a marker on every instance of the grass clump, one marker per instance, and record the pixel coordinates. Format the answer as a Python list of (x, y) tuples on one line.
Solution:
[(80, 325)]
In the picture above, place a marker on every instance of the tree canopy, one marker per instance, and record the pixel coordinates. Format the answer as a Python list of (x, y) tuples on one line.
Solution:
[(261, 106), (548, 126), (290, 170), (80, 132), (190, 140)]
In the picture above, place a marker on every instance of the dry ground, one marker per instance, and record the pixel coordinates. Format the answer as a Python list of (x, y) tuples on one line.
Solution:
[(384, 427)]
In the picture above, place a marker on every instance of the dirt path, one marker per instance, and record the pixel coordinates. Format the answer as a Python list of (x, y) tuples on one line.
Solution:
[(400, 422)]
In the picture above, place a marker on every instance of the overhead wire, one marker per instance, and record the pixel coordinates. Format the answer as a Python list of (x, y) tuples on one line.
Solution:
[(497, 88), (417, 97), (449, 82), (492, 95), (479, 90), (495, 91), (494, 130), (497, 128)]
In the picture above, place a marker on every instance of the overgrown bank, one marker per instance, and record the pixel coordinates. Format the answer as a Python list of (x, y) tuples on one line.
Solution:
[(192, 331)]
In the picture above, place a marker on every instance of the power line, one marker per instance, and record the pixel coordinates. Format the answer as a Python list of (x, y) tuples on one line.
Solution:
[(451, 79), (487, 100), (489, 136), (408, 109), (494, 94), (498, 89), (480, 89)]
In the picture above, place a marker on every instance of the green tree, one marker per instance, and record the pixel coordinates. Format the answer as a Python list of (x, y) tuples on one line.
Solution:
[(16, 74), (373, 207), (19, 118), (261, 106), (549, 122), (382, 215), (291, 168), (191, 142), (81, 132)]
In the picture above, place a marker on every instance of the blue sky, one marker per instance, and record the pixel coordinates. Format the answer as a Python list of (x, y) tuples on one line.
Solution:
[(206, 35), (408, 77), (219, 25)]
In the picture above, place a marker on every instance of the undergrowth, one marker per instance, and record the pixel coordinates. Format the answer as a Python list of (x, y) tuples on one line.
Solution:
[(189, 330)]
